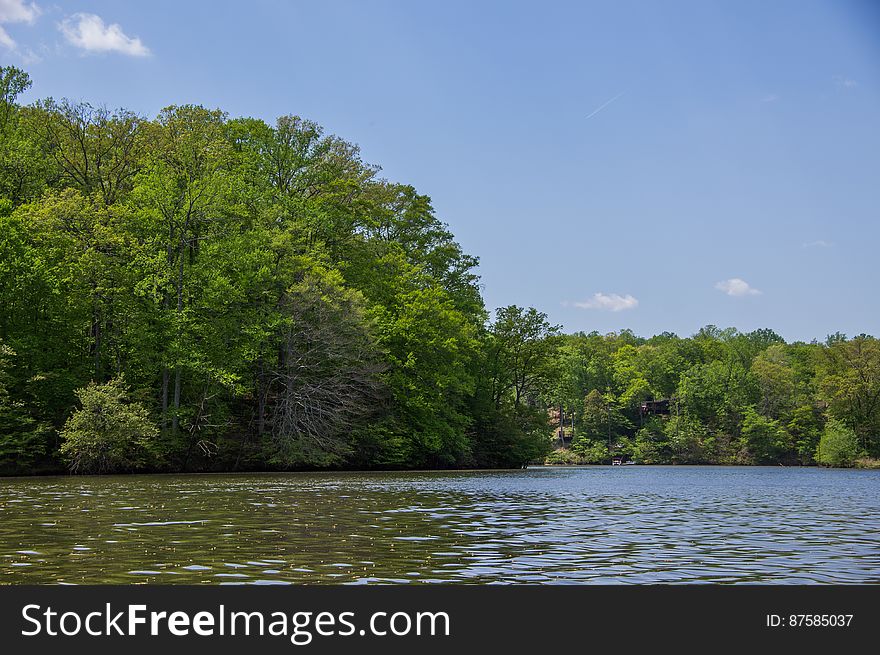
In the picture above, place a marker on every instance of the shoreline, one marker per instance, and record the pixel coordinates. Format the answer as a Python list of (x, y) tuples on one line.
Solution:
[(158, 474)]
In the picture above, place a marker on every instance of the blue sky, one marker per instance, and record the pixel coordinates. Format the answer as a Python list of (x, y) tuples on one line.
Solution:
[(656, 166)]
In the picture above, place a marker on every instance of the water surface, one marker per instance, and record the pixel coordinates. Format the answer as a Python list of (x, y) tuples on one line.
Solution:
[(634, 524)]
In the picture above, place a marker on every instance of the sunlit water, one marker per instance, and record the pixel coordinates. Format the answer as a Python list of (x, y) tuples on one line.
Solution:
[(633, 524)]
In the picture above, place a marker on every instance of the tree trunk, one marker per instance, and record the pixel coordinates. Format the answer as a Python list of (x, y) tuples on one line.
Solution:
[(165, 376), (175, 419), (96, 345), (262, 392)]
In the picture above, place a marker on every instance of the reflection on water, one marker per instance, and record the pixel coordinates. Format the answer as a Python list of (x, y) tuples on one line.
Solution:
[(543, 525)]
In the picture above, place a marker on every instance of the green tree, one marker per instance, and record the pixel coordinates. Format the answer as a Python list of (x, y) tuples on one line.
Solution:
[(776, 381), (651, 443), (851, 385), (523, 344), (805, 427), (591, 452), (181, 192), (90, 149), (764, 440), (23, 168), (838, 445), (26, 442), (510, 425), (686, 436), (108, 433), (13, 82)]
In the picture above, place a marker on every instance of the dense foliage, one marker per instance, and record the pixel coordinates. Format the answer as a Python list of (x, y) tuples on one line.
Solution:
[(196, 292), (734, 398), (108, 433)]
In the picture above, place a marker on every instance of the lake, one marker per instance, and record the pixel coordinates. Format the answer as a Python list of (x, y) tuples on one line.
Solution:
[(631, 524)]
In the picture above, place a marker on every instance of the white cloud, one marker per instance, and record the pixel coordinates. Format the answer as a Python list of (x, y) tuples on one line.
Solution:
[(18, 11), (610, 302), (737, 287), (770, 97), (89, 32), (845, 82), (820, 243), (15, 11)]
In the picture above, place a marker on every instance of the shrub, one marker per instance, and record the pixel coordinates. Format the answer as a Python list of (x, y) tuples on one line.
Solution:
[(563, 457), (108, 433), (838, 445), (590, 452)]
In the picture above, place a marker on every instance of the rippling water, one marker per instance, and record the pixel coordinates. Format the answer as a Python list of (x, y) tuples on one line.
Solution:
[(633, 524)]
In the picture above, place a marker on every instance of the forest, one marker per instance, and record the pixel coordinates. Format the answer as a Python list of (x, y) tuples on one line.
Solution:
[(198, 292), (733, 398)]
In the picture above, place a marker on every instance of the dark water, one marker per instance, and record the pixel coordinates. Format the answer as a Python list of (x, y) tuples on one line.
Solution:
[(544, 525)]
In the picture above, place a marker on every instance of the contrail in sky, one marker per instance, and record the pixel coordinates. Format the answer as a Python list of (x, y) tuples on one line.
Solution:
[(604, 104)]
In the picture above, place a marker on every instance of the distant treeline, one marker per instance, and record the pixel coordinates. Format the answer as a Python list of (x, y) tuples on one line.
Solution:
[(734, 398), (202, 293)]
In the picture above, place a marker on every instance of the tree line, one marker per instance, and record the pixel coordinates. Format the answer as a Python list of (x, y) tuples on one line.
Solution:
[(200, 292), (196, 292), (733, 398)]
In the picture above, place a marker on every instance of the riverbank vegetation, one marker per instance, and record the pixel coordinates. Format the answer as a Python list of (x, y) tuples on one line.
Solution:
[(733, 398), (200, 292), (197, 292)]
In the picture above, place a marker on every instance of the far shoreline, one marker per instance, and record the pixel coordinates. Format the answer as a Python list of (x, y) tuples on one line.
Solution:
[(161, 474)]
